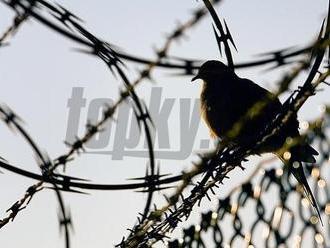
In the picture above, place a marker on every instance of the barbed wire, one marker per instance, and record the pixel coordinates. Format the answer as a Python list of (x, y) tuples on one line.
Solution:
[(43, 161), (154, 225), (187, 66), (226, 159), (246, 208)]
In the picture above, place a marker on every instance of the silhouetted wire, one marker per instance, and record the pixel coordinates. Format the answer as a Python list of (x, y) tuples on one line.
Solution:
[(223, 38), (236, 201), (187, 65), (12, 120), (147, 233), (156, 229), (11, 30), (107, 53), (100, 47)]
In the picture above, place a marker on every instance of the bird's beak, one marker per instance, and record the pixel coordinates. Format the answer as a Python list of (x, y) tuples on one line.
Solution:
[(195, 78)]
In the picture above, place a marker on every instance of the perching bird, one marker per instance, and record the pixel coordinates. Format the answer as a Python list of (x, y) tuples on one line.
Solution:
[(226, 99)]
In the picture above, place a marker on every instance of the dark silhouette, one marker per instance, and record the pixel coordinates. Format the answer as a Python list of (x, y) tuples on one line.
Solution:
[(229, 106), (155, 222)]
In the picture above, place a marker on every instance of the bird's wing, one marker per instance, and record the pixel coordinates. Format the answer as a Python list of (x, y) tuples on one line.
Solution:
[(251, 99), (274, 106), (252, 93)]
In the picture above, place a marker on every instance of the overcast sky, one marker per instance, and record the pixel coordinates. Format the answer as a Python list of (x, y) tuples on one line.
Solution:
[(40, 70)]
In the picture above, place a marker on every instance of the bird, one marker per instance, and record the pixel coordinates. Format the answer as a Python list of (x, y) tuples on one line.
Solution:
[(229, 107)]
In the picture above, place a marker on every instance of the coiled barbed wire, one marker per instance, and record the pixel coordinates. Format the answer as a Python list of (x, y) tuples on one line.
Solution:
[(36, 9)]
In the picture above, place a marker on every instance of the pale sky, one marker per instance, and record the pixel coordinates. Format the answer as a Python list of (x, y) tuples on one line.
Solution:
[(40, 68)]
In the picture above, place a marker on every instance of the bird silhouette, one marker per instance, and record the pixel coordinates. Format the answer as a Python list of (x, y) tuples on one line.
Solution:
[(229, 106)]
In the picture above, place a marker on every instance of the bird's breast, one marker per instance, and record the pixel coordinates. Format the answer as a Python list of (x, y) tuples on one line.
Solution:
[(215, 109)]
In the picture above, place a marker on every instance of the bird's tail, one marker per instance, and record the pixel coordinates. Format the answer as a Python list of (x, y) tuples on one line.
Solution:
[(297, 170), (303, 152)]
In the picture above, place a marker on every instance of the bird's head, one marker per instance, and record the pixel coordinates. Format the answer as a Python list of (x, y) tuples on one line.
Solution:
[(212, 70)]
